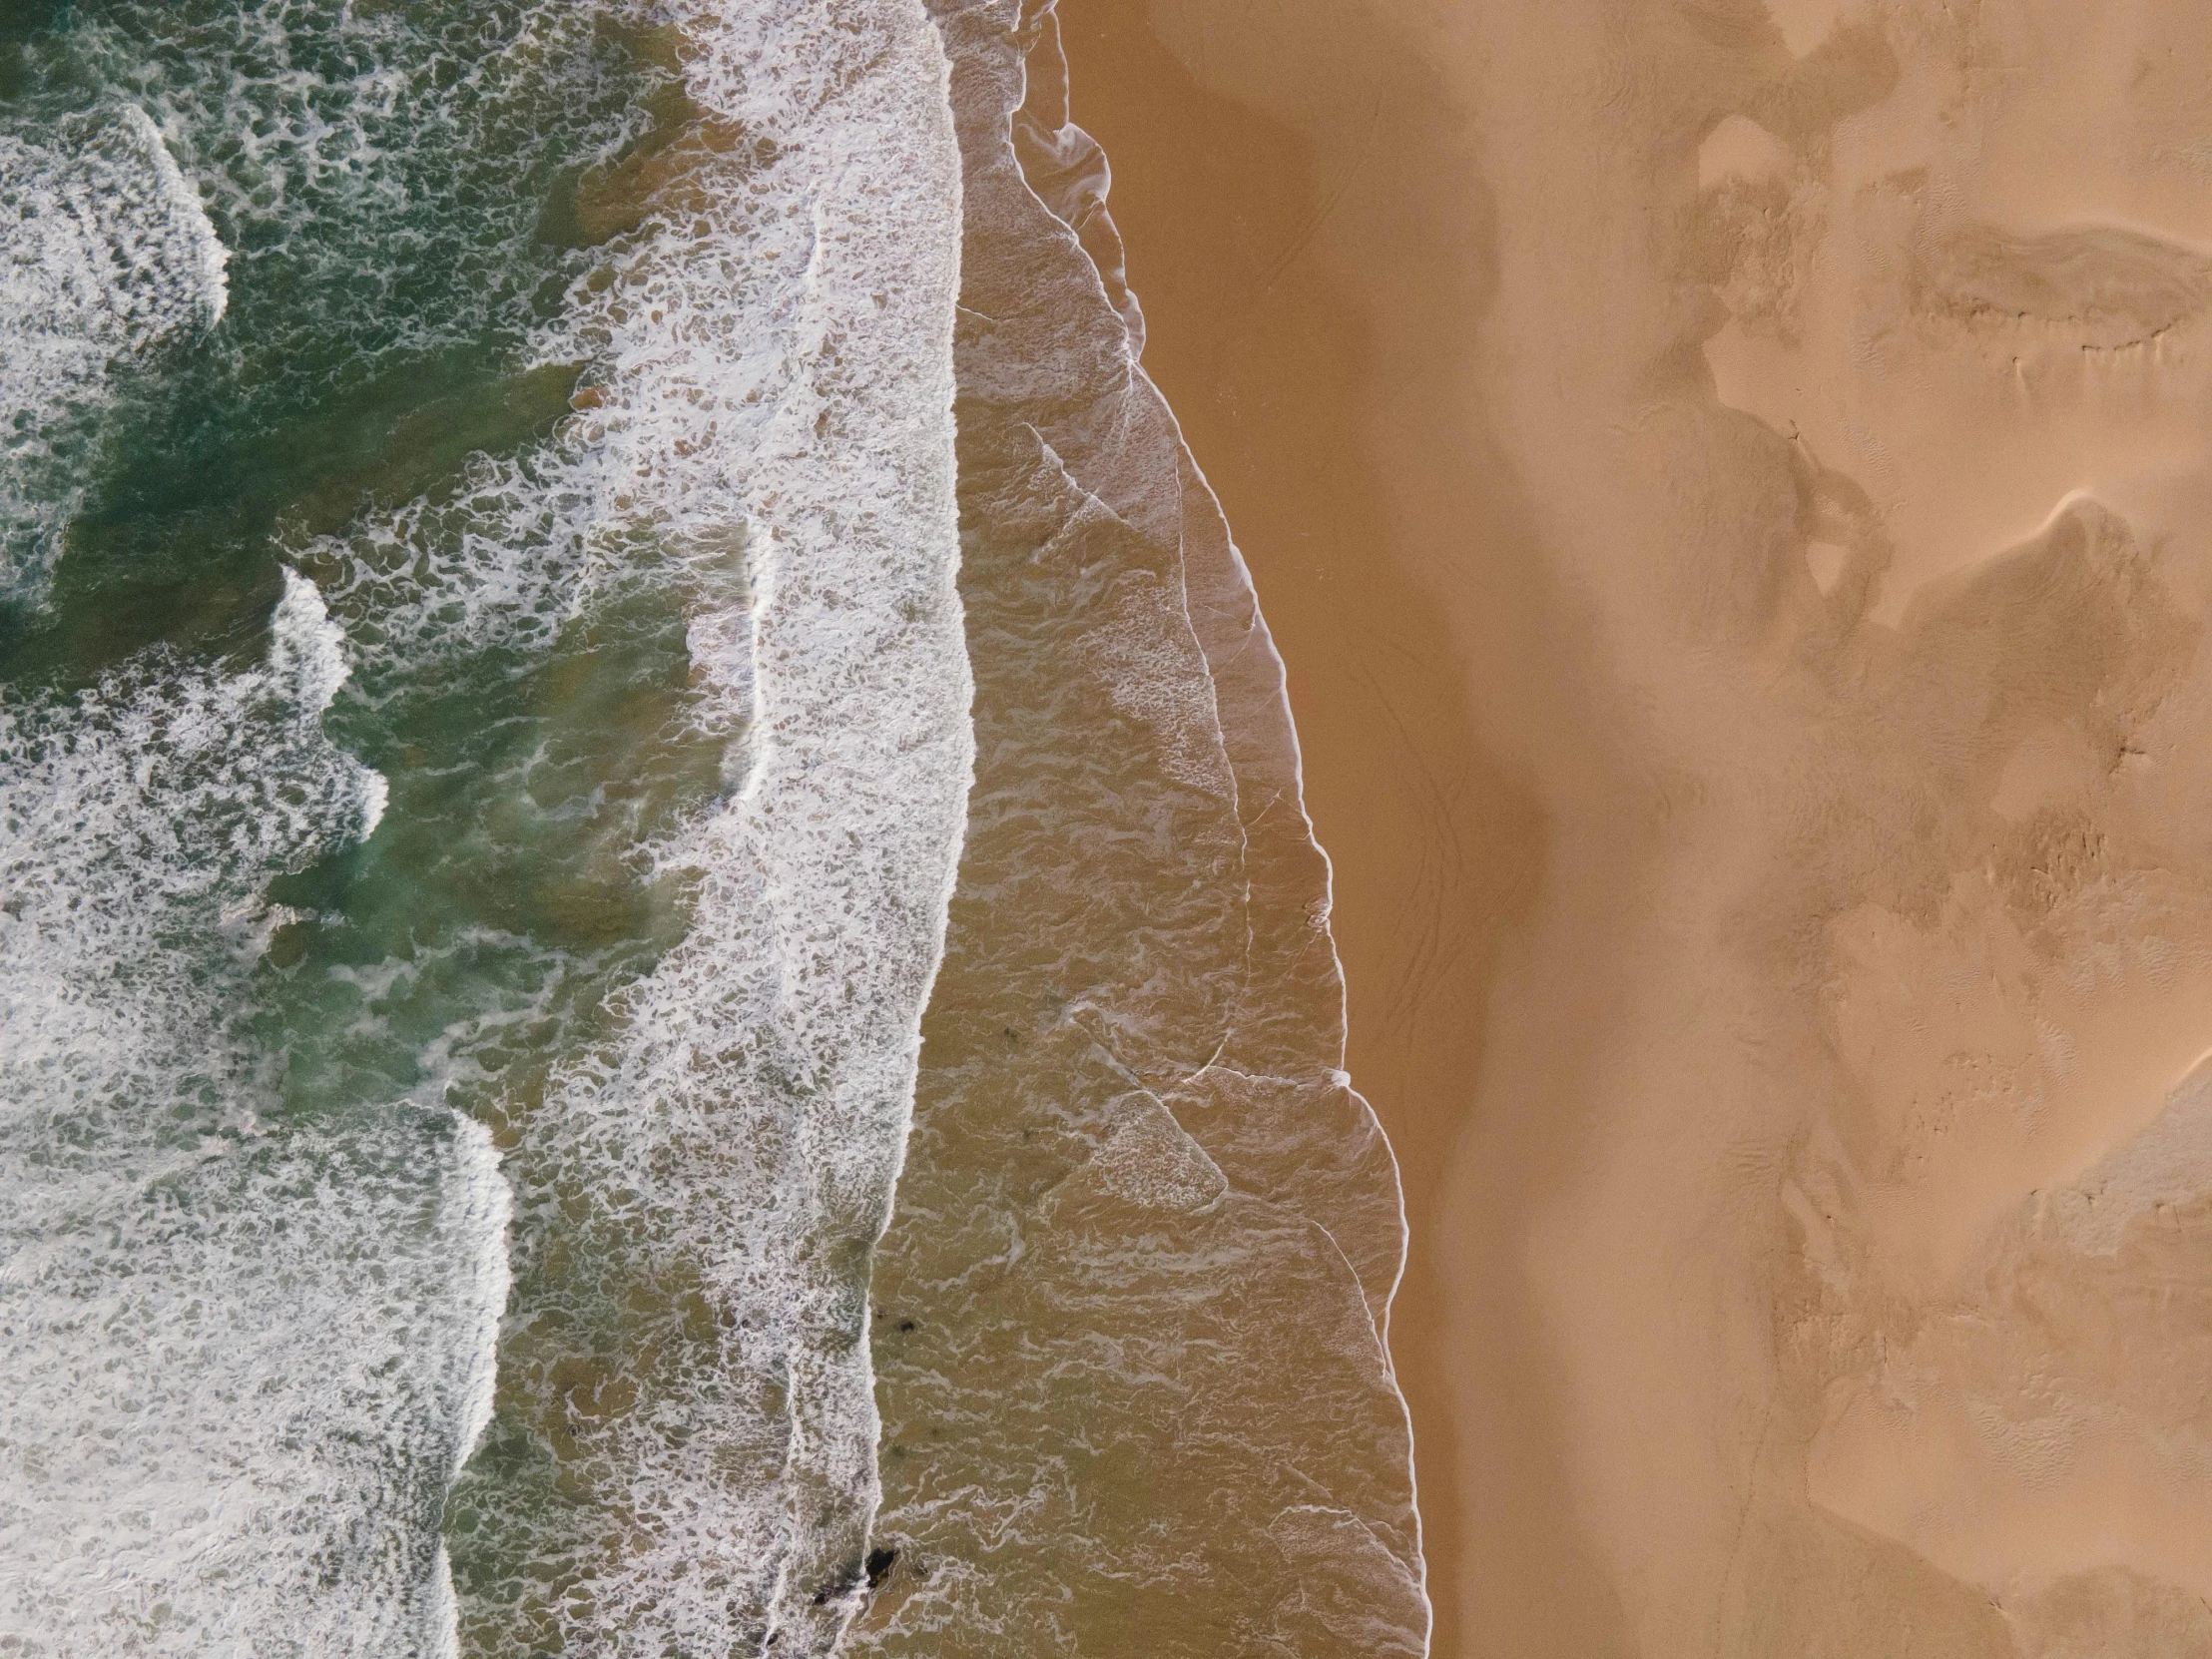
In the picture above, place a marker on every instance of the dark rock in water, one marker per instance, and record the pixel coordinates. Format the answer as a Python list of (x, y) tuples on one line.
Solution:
[(880, 1564), (845, 1583)]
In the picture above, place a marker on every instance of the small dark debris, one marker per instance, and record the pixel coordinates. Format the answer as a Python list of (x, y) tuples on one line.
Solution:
[(880, 1564), (846, 1581), (906, 1324)]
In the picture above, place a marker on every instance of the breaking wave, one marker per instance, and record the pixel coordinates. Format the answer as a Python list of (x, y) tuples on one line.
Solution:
[(675, 653)]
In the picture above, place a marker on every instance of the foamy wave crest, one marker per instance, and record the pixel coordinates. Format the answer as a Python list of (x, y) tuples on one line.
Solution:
[(353, 156), (246, 1353), (106, 254), (239, 1381), (149, 811), (496, 565), (766, 432), (795, 391)]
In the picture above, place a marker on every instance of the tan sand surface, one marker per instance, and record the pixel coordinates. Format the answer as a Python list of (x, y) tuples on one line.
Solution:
[(1730, 486), (1294, 353)]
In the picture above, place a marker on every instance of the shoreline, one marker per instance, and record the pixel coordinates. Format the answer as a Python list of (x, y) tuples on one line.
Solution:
[(1752, 690), (1288, 282), (1143, 1224)]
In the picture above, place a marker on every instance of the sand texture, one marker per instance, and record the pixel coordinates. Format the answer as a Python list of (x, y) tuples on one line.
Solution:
[(1731, 488)]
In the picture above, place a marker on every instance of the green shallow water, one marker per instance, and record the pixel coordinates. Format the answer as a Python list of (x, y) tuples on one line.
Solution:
[(395, 188), (357, 773)]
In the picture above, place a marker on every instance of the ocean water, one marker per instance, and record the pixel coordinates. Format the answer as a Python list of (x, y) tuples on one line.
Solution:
[(481, 766), (520, 523), (1131, 1309)]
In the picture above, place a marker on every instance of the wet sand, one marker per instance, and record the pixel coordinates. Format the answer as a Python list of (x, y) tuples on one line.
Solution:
[(1267, 183), (1725, 484), (1127, 1318)]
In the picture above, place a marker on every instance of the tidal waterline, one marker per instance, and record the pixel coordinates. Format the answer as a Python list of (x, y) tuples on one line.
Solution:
[(484, 742), (1131, 1312)]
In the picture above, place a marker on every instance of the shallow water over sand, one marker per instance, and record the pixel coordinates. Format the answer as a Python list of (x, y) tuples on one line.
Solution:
[(1129, 1317)]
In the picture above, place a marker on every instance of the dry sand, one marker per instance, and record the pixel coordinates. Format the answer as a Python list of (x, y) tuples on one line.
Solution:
[(1729, 489)]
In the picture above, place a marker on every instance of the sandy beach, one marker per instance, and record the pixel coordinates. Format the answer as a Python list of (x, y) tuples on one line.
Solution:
[(1722, 481), (1270, 185)]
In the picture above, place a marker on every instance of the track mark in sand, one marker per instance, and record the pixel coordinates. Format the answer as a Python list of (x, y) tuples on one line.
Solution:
[(1743, 1520), (1319, 215)]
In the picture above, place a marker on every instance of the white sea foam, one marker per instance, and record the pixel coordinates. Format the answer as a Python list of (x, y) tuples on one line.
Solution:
[(778, 369), (149, 808), (106, 255), (294, 1319), (244, 1356), (769, 435), (200, 258), (339, 147), (106, 244), (238, 1380), (372, 178)]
